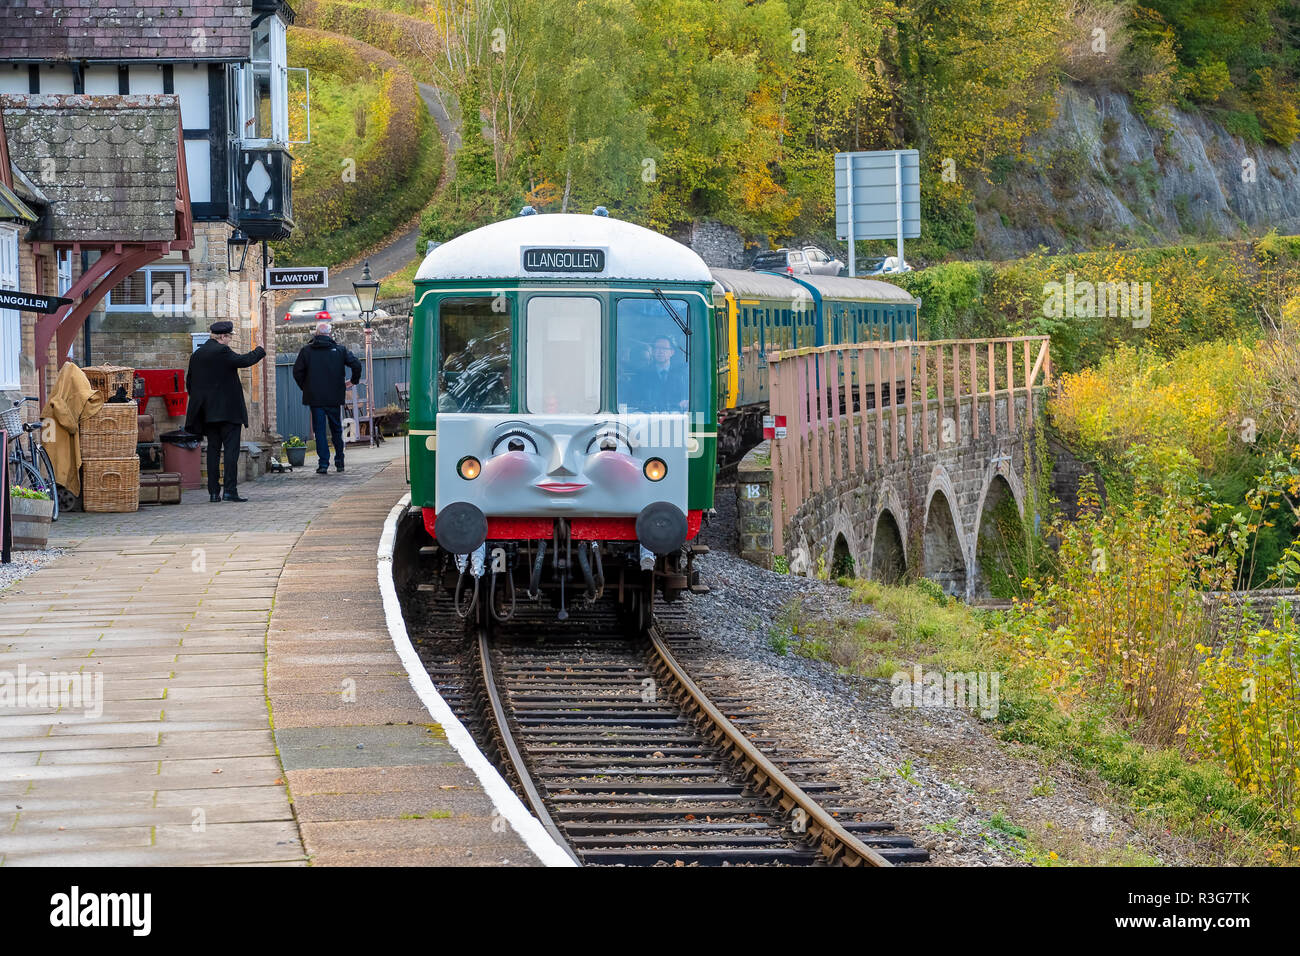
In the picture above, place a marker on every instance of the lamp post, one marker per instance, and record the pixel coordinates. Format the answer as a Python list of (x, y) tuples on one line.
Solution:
[(367, 289)]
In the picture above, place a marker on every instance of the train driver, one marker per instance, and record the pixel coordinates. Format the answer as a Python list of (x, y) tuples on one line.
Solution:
[(662, 385)]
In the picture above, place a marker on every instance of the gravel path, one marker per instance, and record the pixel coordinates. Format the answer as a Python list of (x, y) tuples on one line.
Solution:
[(24, 563), (940, 775)]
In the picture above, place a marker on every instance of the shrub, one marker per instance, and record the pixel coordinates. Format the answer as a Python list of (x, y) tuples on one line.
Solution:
[(1120, 622), (1276, 106), (1251, 717), (1195, 401)]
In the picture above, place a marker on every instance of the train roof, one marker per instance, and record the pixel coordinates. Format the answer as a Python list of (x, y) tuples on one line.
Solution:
[(497, 251), (859, 290), (758, 285), (772, 285)]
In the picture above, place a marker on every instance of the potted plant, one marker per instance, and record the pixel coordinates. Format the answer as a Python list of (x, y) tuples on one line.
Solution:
[(31, 511), (297, 451)]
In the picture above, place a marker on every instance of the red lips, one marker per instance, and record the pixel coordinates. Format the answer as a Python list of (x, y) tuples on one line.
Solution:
[(561, 487)]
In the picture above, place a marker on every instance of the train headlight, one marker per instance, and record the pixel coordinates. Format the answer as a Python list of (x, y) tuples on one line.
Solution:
[(655, 469), (469, 467)]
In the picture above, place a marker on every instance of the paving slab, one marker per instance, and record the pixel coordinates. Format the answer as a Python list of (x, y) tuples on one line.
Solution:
[(246, 683), (384, 742), (165, 612)]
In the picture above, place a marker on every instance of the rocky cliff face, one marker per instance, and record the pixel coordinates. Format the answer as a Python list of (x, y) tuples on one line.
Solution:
[(1101, 173)]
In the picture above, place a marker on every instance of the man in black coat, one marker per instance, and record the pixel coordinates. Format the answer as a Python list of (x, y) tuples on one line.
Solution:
[(318, 370), (663, 385), (216, 408)]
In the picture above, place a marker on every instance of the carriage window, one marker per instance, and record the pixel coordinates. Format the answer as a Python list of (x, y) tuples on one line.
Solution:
[(474, 369), (563, 355), (652, 368)]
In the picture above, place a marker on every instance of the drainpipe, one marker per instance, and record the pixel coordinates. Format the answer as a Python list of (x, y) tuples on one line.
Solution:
[(261, 307), (85, 328)]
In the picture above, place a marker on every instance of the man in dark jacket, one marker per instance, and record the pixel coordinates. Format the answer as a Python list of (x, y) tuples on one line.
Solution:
[(216, 409), (318, 371), (662, 386)]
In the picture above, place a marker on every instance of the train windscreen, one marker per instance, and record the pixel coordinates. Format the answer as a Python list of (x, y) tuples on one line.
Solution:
[(474, 364), (564, 351)]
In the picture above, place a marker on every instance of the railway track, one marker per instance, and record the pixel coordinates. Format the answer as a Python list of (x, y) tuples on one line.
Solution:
[(627, 760)]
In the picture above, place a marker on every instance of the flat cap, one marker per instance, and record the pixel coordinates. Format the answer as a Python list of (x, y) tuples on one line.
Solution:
[(221, 328)]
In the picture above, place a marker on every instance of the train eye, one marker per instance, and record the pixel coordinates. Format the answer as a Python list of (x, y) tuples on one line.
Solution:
[(469, 467), (655, 469), (514, 441), (609, 441)]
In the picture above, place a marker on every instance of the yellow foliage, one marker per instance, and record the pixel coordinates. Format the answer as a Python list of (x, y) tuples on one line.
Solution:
[(1196, 401), (1250, 721)]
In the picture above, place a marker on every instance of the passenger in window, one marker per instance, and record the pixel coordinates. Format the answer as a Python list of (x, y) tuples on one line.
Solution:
[(663, 385)]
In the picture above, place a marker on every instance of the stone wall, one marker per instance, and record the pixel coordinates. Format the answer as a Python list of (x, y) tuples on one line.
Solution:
[(389, 336), (754, 506), (1067, 470), (717, 244)]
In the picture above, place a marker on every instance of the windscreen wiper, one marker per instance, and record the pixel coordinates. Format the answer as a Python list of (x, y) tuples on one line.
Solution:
[(671, 311)]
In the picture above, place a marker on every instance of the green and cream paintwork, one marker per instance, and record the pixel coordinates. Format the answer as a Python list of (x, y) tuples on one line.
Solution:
[(488, 262)]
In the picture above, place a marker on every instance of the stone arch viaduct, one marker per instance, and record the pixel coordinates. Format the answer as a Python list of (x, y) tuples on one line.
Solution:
[(895, 459)]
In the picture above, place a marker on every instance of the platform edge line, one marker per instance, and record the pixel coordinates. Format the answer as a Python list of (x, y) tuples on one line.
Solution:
[(504, 800)]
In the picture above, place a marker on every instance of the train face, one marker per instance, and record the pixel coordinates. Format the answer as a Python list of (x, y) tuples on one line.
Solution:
[(563, 411)]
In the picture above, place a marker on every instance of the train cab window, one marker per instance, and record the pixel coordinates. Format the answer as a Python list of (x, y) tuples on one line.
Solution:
[(564, 352), (474, 364), (653, 375)]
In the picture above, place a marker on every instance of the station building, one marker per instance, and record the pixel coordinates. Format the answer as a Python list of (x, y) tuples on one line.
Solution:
[(144, 152)]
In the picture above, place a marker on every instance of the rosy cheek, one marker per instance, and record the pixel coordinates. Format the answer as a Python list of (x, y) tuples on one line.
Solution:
[(512, 468), (613, 469)]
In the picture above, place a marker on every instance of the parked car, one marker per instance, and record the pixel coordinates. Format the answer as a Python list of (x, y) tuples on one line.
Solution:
[(327, 308), (885, 266), (806, 261)]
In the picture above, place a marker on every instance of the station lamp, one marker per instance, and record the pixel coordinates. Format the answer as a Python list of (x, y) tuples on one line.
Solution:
[(367, 290), (236, 250)]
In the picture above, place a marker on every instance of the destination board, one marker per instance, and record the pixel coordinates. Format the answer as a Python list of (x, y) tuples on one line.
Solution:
[(564, 260)]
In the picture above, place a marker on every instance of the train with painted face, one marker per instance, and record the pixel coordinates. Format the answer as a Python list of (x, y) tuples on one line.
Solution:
[(563, 412), (567, 378)]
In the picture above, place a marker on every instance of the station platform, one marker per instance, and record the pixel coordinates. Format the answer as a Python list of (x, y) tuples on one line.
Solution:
[(241, 699)]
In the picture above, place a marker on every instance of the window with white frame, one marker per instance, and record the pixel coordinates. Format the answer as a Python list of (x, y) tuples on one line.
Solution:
[(262, 87), (64, 259), (10, 325), (162, 290)]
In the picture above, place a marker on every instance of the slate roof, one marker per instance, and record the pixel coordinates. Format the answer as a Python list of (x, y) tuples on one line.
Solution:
[(106, 164), (126, 30)]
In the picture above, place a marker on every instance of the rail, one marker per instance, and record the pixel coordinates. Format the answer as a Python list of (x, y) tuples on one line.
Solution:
[(837, 845), (841, 405)]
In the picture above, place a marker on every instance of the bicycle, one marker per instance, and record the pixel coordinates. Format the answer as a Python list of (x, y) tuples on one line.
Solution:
[(29, 467)]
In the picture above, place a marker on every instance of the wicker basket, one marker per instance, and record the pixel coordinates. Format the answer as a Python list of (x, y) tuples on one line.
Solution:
[(109, 433), (110, 484), (106, 379), (12, 419)]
